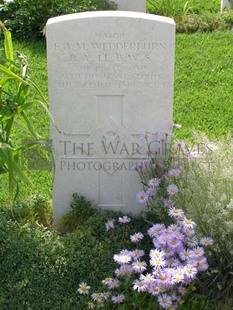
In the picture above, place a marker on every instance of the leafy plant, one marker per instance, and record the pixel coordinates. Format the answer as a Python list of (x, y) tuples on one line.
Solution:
[(206, 195), (15, 101), (173, 8), (169, 8), (27, 18), (35, 209), (81, 211)]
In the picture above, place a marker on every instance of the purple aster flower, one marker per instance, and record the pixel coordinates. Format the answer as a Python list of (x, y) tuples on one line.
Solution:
[(109, 224), (182, 290), (151, 192), (180, 219), (192, 242), (83, 288), (178, 275), (157, 262), (189, 223), (126, 252), (175, 244), (139, 285), (136, 254), (165, 301), (136, 237), (155, 253), (185, 254), (146, 137), (189, 232), (126, 269), (173, 228), (142, 197), (202, 265), (118, 299), (96, 297), (105, 295), (190, 271), (197, 252), (172, 189), (107, 281), (206, 241), (168, 203), (113, 284), (163, 239), (154, 182), (139, 266), (124, 219), (175, 173), (211, 146), (122, 258), (195, 154), (119, 273), (169, 252), (148, 278), (155, 230), (173, 262), (176, 213), (153, 288)]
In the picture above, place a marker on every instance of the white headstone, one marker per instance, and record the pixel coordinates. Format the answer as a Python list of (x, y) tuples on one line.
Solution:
[(110, 81), (225, 4), (131, 5)]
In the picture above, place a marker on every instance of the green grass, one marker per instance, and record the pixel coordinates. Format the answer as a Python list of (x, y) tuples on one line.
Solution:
[(204, 84)]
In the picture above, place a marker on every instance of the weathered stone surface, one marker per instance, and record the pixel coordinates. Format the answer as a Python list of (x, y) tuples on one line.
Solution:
[(110, 80)]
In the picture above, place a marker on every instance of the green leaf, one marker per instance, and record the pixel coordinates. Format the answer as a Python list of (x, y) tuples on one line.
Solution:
[(44, 107), (11, 74), (8, 45), (28, 124)]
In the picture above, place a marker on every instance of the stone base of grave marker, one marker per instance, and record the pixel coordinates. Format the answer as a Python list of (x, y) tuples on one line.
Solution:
[(110, 81)]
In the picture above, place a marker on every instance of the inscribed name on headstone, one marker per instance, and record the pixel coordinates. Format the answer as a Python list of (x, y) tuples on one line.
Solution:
[(110, 81), (131, 5)]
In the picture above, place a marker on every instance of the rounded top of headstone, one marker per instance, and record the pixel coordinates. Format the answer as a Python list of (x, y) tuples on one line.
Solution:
[(111, 14)]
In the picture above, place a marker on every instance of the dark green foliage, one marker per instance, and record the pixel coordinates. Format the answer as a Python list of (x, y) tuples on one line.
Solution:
[(37, 208), (31, 266), (27, 18), (82, 210), (40, 270), (178, 7), (204, 22)]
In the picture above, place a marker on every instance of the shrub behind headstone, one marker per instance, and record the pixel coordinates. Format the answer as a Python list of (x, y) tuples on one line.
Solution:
[(27, 18)]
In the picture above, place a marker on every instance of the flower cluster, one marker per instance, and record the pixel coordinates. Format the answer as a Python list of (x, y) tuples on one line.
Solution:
[(174, 261), (175, 257)]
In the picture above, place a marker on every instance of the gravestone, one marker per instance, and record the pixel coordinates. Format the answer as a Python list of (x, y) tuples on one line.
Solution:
[(131, 5), (225, 4), (110, 80)]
